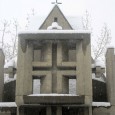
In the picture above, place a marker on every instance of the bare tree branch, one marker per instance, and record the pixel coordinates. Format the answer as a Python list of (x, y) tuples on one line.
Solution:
[(103, 40), (86, 21)]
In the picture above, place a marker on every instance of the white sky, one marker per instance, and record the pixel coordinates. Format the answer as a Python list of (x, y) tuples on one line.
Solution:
[(101, 11)]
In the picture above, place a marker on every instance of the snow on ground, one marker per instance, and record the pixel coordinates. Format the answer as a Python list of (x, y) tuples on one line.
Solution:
[(8, 104), (101, 104)]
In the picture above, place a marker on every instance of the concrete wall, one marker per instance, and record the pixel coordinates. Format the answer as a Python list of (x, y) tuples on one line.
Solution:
[(110, 73), (2, 59), (101, 111), (5, 113)]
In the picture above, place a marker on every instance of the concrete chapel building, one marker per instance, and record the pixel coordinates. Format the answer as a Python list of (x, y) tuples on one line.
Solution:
[(56, 74)]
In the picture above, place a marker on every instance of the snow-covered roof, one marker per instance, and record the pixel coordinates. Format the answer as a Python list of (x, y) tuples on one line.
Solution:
[(7, 79), (12, 63), (101, 104), (101, 79), (8, 104), (98, 63), (56, 32), (36, 21)]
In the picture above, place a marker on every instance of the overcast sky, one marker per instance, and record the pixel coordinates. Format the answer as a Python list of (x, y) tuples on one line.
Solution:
[(101, 11)]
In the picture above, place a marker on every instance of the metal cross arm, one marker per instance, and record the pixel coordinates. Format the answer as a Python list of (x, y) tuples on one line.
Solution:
[(56, 2)]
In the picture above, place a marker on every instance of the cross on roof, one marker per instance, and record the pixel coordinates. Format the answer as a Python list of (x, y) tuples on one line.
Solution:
[(56, 2)]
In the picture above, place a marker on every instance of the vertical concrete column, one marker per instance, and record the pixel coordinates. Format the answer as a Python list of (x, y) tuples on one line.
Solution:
[(46, 83), (110, 73), (62, 83), (98, 71), (79, 69), (2, 59), (20, 111), (48, 111), (54, 68), (59, 111), (46, 52), (65, 55), (87, 71), (20, 75), (28, 69), (59, 83), (65, 84), (59, 53), (88, 111), (112, 110)]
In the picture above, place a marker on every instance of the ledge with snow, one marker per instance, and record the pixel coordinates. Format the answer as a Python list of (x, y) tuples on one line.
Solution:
[(8, 104), (101, 104), (53, 99), (52, 35)]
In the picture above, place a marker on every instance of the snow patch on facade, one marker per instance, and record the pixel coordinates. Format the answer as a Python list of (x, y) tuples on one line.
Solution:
[(101, 104), (56, 31), (7, 79), (54, 26), (11, 63), (52, 94), (8, 104)]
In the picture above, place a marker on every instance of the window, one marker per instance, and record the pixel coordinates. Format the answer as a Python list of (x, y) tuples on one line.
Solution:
[(36, 86), (72, 86), (55, 19)]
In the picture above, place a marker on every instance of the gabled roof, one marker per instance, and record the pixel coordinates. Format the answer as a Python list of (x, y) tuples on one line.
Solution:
[(74, 21), (62, 21)]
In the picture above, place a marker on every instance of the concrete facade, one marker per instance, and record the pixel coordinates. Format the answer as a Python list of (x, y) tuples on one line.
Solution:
[(110, 66), (2, 59), (54, 57), (54, 69), (60, 18)]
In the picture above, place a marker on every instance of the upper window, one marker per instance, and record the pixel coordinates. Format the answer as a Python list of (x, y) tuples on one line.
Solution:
[(55, 19)]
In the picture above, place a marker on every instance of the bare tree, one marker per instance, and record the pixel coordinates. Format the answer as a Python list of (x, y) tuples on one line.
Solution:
[(9, 38), (15, 34), (4, 30), (86, 21), (9, 35), (29, 15), (102, 41)]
